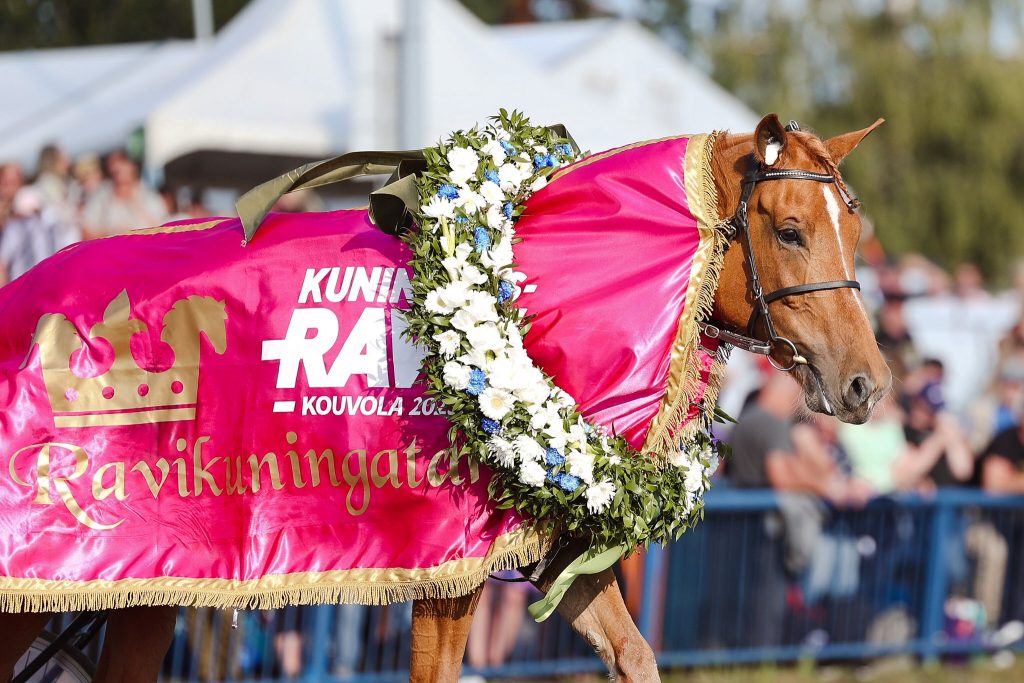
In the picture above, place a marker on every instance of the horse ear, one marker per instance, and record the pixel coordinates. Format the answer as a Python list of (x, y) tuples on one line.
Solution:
[(841, 145), (769, 140)]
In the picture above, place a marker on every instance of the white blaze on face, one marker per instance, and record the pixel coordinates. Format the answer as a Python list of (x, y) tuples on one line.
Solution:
[(832, 206)]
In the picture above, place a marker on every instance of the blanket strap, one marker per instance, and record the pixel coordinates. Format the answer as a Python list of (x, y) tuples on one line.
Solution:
[(391, 207)]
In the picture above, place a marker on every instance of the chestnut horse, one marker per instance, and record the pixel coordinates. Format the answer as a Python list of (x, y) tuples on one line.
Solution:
[(796, 236)]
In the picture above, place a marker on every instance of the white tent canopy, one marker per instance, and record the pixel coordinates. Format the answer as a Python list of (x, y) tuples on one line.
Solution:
[(318, 77)]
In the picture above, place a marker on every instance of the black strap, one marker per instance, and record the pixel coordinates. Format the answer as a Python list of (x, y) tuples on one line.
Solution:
[(810, 287)]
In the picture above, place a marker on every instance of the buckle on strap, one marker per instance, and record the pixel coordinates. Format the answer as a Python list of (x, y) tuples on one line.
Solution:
[(735, 339)]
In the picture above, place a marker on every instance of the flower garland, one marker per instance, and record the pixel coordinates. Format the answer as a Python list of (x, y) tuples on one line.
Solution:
[(548, 462)]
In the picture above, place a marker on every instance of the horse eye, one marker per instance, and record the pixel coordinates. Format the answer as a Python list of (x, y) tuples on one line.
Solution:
[(789, 236)]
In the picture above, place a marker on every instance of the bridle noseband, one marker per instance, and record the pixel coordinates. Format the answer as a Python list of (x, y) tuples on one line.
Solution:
[(738, 226)]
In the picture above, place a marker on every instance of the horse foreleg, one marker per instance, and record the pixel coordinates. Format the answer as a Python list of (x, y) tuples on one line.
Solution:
[(440, 628), (136, 641), (593, 606), (18, 631)]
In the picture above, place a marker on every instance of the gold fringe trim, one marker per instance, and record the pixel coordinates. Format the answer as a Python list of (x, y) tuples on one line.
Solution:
[(449, 580), (669, 425)]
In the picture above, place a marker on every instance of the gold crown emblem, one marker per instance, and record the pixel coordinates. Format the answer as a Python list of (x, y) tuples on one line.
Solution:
[(127, 394)]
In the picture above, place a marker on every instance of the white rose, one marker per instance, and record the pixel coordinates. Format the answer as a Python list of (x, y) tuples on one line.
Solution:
[(528, 449), (439, 207), (502, 450), (539, 184), (491, 193), (449, 342), (581, 464), (463, 162), (456, 375), (599, 495), (495, 403), (532, 473), (484, 337), (494, 150)]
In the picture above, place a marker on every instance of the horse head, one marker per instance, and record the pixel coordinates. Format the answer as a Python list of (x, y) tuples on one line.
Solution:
[(789, 278)]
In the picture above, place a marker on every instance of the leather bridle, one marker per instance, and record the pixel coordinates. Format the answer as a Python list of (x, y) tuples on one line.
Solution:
[(739, 227)]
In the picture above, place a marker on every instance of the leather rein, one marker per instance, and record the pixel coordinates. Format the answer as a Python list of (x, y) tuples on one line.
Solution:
[(738, 227)]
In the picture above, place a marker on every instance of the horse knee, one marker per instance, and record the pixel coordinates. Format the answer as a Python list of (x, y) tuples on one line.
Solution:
[(634, 660)]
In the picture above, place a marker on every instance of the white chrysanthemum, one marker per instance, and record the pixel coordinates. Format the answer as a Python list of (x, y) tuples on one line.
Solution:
[(528, 449), (494, 150), (533, 393), (492, 194), (456, 375), (510, 177), (532, 473), (439, 207), (494, 217), (485, 337), (581, 464), (448, 342), (504, 374), (495, 403), (613, 460), (436, 303), (463, 162), (599, 495), (502, 450), (463, 320), (679, 458)]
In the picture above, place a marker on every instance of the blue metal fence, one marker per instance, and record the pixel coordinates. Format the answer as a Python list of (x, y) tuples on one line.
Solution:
[(764, 578)]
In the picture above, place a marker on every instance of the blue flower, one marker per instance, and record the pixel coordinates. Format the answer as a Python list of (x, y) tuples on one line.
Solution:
[(508, 210), (544, 160), (564, 149), (448, 191), (552, 476), (505, 291), (482, 239), (492, 175), (508, 147), (461, 220), (477, 382), (568, 482), (490, 426), (553, 457)]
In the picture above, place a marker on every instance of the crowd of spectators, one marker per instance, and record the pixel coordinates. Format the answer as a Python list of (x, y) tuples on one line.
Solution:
[(952, 420), (67, 200)]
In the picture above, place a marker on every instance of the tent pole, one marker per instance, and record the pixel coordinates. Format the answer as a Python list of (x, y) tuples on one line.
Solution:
[(410, 98), (202, 19)]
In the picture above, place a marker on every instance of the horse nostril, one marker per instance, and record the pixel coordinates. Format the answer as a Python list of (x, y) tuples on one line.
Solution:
[(858, 392)]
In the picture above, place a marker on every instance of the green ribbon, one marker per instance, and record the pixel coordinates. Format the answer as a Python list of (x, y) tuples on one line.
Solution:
[(593, 561)]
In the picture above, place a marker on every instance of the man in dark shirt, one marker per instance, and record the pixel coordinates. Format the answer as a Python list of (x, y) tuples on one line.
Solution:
[(1000, 465)]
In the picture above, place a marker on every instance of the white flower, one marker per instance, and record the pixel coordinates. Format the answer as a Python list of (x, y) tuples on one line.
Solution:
[(533, 393), (455, 294), (472, 275), (563, 399), (484, 337), (599, 495), (439, 207), (680, 458), (477, 358), (436, 303), (502, 450), (694, 480), (463, 320), (528, 449), (515, 340), (532, 473), (491, 193), (510, 177), (713, 463), (577, 435), (470, 201), (481, 306), (463, 162), (456, 375), (449, 342), (539, 184), (495, 403), (540, 149), (494, 150), (581, 464), (614, 460), (494, 217), (499, 256), (504, 374)]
